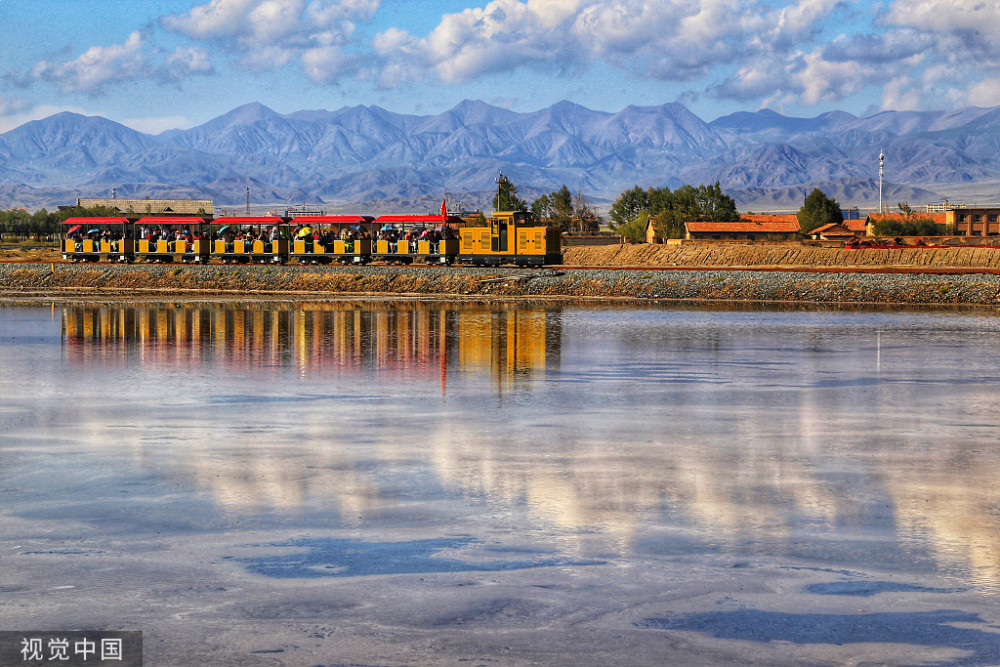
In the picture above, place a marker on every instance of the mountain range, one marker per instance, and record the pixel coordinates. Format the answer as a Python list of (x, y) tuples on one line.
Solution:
[(368, 155)]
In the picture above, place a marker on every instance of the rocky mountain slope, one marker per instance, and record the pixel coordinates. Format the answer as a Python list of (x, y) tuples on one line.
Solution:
[(368, 153)]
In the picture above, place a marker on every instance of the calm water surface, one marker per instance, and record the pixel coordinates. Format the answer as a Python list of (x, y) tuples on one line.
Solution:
[(422, 483)]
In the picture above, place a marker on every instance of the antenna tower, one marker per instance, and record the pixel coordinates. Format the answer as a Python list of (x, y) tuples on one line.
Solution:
[(881, 169)]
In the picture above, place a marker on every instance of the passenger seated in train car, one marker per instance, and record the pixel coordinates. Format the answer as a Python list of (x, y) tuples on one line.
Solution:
[(273, 234)]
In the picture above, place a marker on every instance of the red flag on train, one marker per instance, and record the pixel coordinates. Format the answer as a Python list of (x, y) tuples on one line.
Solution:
[(444, 208)]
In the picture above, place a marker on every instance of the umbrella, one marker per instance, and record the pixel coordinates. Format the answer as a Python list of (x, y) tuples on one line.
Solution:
[(222, 229), (95, 230), (387, 228), (305, 231), (74, 228)]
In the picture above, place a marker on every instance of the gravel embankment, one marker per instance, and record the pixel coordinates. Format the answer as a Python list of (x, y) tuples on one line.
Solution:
[(715, 285), (781, 255)]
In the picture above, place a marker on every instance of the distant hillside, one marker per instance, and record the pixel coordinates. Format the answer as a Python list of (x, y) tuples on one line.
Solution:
[(369, 154)]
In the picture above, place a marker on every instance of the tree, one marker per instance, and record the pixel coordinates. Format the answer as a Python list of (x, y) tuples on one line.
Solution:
[(506, 198), (714, 205), (659, 199), (629, 205), (670, 210), (585, 218), (541, 208), (562, 208), (818, 210), (634, 230), (914, 226)]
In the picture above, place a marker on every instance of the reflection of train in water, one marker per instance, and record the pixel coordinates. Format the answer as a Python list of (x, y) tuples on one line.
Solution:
[(508, 238), (511, 345)]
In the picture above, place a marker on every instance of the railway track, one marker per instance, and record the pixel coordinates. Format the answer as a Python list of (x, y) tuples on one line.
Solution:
[(637, 269)]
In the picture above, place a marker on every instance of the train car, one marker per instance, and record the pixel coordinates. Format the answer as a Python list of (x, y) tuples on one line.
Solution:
[(166, 238), (510, 238), (233, 244), (89, 238), (346, 239), (404, 239)]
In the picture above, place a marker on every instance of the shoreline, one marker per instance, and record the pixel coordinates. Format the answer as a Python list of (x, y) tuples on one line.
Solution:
[(709, 285)]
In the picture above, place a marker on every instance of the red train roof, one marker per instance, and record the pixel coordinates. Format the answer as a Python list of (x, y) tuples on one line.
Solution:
[(248, 220), (171, 220), (95, 221), (408, 219), (332, 219)]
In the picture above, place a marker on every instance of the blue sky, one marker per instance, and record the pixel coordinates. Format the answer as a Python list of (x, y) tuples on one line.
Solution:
[(154, 65)]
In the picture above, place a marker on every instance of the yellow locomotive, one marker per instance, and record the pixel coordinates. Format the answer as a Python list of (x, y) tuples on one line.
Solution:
[(510, 238)]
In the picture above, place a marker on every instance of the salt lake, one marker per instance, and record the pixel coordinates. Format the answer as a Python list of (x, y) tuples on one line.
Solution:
[(402, 482)]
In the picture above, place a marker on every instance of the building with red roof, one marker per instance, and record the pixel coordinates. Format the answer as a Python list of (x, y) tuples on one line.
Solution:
[(751, 227)]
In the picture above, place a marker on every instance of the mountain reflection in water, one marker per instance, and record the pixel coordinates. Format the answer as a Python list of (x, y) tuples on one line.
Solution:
[(830, 436)]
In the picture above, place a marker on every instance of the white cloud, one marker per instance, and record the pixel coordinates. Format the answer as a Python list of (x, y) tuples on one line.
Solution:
[(811, 78), (404, 57), (96, 67), (326, 64), (12, 105), (266, 57), (219, 18), (322, 13), (800, 21), (186, 61), (902, 94), (670, 40), (246, 22), (970, 17), (273, 33), (985, 93), (822, 80)]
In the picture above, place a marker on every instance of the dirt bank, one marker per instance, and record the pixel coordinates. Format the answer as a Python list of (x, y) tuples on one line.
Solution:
[(790, 255), (714, 285)]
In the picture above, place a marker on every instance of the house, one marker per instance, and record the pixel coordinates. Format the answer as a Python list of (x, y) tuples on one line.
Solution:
[(747, 228), (974, 221), (840, 231), (832, 232), (651, 235)]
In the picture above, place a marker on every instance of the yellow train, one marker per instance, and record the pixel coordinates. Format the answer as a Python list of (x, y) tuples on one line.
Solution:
[(508, 238)]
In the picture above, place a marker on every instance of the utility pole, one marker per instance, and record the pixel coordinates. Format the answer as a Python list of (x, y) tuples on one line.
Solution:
[(248, 201), (881, 169), (499, 186)]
